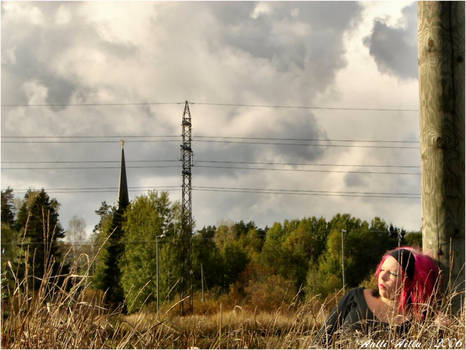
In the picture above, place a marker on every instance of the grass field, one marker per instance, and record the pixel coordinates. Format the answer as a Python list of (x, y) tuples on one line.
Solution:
[(75, 317)]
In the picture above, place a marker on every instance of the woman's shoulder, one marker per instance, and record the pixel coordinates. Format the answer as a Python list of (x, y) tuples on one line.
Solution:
[(354, 295), (356, 292)]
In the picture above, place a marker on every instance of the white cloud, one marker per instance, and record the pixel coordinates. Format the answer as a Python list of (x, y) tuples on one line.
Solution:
[(63, 15), (260, 9), (36, 93), (265, 53)]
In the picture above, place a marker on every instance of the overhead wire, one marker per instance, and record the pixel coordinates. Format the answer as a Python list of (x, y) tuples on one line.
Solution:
[(229, 139), (204, 137), (222, 141), (90, 104), (89, 161), (213, 167), (307, 193), (374, 109), (342, 108), (307, 144), (92, 167), (237, 189), (302, 139), (214, 162), (102, 189), (309, 170), (309, 164)]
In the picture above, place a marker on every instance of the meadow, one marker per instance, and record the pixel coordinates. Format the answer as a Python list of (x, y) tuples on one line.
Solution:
[(70, 314)]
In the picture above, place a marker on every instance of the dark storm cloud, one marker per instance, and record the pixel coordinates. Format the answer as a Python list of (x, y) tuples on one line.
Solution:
[(394, 49), (275, 140), (355, 180), (305, 35)]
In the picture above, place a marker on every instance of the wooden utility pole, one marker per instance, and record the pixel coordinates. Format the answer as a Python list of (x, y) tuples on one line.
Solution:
[(343, 257), (441, 91)]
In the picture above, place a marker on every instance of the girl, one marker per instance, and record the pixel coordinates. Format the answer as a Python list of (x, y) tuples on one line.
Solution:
[(406, 284)]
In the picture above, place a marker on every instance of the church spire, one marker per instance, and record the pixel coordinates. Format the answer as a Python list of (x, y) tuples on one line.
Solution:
[(123, 198)]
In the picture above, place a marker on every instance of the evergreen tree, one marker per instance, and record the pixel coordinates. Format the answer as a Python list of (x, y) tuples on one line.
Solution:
[(99, 239), (108, 235), (8, 214), (38, 220)]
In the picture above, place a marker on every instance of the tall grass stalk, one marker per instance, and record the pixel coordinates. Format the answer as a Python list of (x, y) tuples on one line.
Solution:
[(65, 312)]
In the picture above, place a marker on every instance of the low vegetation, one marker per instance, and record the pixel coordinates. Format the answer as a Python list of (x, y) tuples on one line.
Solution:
[(72, 315), (253, 287)]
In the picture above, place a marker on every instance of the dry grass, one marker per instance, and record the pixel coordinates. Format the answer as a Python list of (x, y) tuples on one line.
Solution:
[(73, 316)]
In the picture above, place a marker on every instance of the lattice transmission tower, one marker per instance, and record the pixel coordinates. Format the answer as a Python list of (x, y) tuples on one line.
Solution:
[(186, 209)]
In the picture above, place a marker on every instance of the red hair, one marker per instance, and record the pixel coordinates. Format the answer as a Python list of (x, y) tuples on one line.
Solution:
[(418, 292)]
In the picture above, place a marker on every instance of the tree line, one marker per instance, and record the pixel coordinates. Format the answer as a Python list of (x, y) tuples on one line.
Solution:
[(299, 257)]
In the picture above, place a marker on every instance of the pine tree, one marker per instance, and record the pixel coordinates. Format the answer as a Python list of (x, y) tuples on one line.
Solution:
[(38, 221), (8, 215), (108, 273)]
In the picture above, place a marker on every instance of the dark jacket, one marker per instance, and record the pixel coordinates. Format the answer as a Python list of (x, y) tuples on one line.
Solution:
[(352, 314)]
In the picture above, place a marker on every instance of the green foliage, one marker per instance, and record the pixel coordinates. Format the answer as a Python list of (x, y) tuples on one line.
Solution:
[(235, 260), (148, 217), (364, 245), (272, 254), (206, 256), (12, 259), (240, 257), (38, 218), (291, 247), (8, 208), (109, 230), (11, 251), (252, 242), (102, 231), (413, 239)]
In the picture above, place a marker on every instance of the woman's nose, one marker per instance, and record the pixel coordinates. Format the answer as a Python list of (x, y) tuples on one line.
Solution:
[(385, 276)]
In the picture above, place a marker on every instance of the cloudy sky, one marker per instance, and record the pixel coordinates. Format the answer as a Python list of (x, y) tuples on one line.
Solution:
[(79, 76)]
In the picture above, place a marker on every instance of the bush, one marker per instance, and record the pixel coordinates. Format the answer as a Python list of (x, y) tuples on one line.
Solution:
[(269, 294)]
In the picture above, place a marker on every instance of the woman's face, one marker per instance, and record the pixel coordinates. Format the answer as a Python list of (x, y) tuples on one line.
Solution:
[(390, 278)]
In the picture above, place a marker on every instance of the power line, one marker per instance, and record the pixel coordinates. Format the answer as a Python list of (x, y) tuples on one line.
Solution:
[(102, 189), (376, 109), (87, 136), (309, 170), (342, 108), (303, 139), (223, 141), (89, 161), (92, 104), (91, 141), (92, 167), (214, 162), (215, 167), (310, 164), (84, 136), (307, 144), (207, 137), (239, 189), (309, 193)]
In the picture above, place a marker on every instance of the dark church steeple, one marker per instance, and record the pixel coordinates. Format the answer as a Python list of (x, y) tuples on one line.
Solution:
[(123, 198)]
